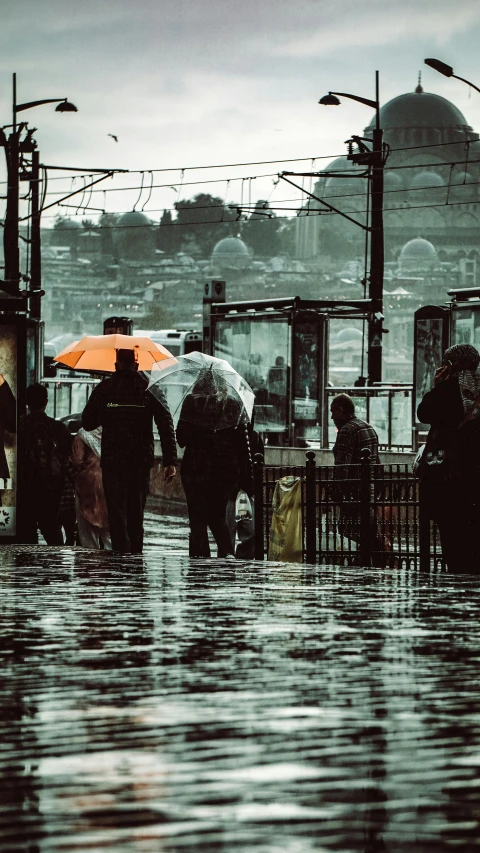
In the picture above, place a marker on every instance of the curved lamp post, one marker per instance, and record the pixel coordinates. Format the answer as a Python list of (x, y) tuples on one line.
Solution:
[(447, 71), (13, 147), (374, 158)]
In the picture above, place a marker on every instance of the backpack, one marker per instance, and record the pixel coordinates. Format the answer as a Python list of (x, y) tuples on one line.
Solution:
[(44, 457)]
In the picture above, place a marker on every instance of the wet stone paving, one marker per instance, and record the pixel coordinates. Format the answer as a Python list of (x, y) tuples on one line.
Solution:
[(162, 704)]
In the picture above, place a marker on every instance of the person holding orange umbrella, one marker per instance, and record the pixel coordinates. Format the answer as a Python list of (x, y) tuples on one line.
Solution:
[(121, 405)]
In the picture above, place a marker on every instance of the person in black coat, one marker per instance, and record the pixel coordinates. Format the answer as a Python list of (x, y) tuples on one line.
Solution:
[(48, 448), (450, 492), (122, 405), (8, 422), (216, 464)]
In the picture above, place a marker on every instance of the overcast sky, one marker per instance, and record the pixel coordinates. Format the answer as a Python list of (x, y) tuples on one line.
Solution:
[(184, 83)]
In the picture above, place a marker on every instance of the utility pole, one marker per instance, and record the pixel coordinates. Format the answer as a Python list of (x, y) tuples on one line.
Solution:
[(35, 253), (374, 158), (10, 234), (375, 292)]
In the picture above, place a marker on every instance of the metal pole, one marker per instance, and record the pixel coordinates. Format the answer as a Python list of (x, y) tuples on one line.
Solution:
[(35, 257), (310, 509), (375, 326), (10, 234), (258, 473)]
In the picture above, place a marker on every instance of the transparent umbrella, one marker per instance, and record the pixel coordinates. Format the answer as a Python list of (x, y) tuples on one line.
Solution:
[(202, 390)]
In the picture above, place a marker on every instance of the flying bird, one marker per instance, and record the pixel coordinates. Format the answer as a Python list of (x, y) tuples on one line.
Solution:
[(115, 138)]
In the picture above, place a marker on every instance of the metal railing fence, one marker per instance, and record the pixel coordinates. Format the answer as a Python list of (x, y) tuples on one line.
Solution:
[(355, 515), (67, 396), (387, 408)]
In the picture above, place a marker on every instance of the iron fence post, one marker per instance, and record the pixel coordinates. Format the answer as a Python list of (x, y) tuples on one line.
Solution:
[(423, 532), (258, 468), (310, 509), (365, 508)]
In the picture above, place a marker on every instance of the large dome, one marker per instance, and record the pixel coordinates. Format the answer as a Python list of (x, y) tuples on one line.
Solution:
[(420, 109)]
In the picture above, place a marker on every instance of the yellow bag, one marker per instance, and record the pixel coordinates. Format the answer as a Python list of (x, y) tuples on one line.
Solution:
[(286, 531)]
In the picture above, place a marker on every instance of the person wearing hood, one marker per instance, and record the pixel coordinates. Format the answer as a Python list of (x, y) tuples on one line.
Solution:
[(91, 508), (450, 468)]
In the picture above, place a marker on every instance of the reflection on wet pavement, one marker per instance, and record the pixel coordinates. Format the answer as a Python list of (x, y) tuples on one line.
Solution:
[(163, 704)]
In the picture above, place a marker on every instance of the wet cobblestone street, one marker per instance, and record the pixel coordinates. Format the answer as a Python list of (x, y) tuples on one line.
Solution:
[(162, 704)]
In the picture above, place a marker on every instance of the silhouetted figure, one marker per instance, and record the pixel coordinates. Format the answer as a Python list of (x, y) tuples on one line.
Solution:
[(48, 449), (90, 504), (243, 528), (122, 405), (8, 422), (450, 489), (215, 465)]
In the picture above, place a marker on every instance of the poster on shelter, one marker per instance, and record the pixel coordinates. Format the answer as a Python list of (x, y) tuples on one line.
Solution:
[(428, 356), (8, 429)]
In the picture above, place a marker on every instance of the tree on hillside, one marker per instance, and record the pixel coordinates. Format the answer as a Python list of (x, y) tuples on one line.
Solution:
[(202, 222), (65, 232), (167, 234), (261, 231), (108, 223)]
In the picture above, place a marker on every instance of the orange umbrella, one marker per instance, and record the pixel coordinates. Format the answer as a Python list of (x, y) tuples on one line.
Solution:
[(99, 352)]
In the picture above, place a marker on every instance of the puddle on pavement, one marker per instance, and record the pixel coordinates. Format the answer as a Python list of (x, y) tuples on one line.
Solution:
[(163, 704)]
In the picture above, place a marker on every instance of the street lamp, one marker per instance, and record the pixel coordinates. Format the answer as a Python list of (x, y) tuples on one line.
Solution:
[(447, 71), (373, 157), (14, 146)]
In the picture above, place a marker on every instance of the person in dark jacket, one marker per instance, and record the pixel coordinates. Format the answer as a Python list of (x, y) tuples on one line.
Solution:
[(122, 405), (216, 464), (243, 528), (8, 422), (450, 491), (48, 449)]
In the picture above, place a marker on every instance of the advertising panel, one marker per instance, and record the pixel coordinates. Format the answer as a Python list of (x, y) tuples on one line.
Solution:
[(8, 427)]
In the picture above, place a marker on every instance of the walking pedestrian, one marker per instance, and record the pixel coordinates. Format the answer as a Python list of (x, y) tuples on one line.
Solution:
[(91, 507), (121, 405), (216, 463), (242, 525), (355, 436), (48, 448), (8, 423), (450, 467)]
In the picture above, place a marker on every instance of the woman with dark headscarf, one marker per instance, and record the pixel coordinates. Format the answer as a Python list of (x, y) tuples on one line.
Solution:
[(451, 490)]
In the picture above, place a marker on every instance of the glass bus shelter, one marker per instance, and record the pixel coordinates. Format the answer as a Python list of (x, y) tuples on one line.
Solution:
[(280, 346), (436, 328)]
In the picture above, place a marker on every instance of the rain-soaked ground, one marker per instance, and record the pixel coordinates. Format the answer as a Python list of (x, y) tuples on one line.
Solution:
[(168, 705)]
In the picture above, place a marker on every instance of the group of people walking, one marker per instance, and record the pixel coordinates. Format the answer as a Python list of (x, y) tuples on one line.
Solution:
[(109, 460), (112, 454)]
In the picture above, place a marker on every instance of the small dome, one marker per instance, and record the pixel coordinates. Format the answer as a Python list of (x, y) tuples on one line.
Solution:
[(392, 181), (231, 252), (428, 180), (418, 255), (133, 218), (341, 186), (349, 334)]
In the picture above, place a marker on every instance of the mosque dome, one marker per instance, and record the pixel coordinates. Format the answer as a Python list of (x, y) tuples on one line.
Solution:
[(349, 334), (132, 219), (428, 180), (392, 181), (418, 255), (335, 186), (419, 109), (231, 252)]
